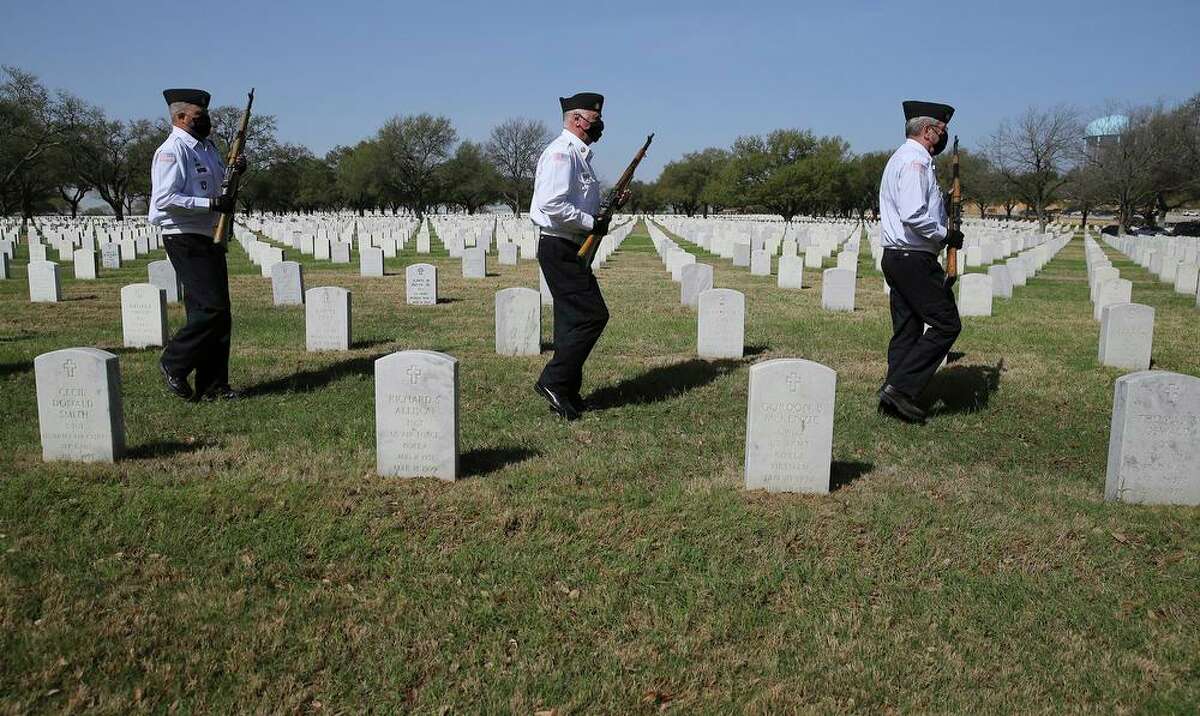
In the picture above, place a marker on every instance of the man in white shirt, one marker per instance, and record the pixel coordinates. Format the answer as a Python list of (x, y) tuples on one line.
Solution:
[(914, 231), (185, 200), (565, 205)]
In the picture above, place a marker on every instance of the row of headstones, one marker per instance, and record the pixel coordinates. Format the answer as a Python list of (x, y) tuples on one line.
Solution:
[(45, 281), (977, 292), (1153, 456), (1126, 328), (1173, 260)]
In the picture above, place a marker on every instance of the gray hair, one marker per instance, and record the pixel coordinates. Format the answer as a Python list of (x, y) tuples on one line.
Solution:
[(176, 107), (916, 125), (572, 113)]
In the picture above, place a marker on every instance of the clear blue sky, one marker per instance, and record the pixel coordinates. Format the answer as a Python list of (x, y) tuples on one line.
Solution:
[(697, 74)]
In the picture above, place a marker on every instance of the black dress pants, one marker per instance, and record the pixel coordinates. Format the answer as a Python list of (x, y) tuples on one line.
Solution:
[(919, 296), (579, 313), (202, 345)]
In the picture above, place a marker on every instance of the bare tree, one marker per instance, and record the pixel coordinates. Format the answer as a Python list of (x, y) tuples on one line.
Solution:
[(1125, 164), (1033, 153), (513, 148), (114, 158)]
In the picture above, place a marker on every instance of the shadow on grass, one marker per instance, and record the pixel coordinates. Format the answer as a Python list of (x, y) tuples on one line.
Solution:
[(662, 383), (482, 461), (21, 366), (162, 448), (448, 300), (844, 472), (962, 389), (88, 297), (755, 349), (306, 381), (17, 337), (368, 343)]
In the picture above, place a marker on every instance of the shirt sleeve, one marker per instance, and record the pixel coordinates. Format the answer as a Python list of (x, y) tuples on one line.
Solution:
[(168, 181), (555, 193), (911, 194)]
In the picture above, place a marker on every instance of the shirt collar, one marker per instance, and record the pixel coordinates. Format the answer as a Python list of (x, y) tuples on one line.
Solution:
[(584, 149), (183, 134), (918, 145)]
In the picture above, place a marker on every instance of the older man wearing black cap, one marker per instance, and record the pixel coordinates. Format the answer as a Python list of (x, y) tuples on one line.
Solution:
[(914, 231), (185, 201), (566, 200)]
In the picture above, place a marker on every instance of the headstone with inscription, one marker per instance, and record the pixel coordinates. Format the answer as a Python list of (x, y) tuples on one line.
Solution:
[(327, 319), (162, 274), (837, 289), (44, 285), (1126, 336), (518, 322), (1154, 440), (110, 256), (421, 285), (1111, 292), (416, 415), (143, 315), (80, 414), (695, 279), (789, 426), (85, 264), (287, 283), (474, 263), (721, 324)]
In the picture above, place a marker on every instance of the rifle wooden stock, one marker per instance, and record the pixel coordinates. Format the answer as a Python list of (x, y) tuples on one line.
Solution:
[(954, 214), (229, 187), (588, 250)]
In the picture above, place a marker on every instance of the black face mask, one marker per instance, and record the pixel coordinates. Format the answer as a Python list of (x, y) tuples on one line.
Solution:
[(943, 138), (202, 126), (594, 130)]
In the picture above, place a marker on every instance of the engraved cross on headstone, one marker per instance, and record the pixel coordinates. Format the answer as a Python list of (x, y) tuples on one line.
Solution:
[(793, 381), (69, 368), (414, 374)]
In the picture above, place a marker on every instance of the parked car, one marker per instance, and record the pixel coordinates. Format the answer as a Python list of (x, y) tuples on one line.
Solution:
[(1186, 228)]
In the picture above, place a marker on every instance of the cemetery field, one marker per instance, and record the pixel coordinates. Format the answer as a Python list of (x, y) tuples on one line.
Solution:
[(245, 556)]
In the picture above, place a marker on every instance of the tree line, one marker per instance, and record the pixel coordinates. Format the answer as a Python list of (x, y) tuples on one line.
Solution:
[(56, 148)]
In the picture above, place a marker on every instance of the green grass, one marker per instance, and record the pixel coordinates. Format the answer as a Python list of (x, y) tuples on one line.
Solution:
[(245, 557)]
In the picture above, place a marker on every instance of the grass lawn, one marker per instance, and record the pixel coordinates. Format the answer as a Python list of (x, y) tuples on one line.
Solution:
[(246, 557)]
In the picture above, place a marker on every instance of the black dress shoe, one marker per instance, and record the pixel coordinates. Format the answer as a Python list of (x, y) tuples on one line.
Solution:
[(558, 402), (220, 392), (178, 386), (901, 403)]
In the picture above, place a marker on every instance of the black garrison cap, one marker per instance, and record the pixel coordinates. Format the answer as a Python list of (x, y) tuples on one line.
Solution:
[(940, 112), (583, 100), (191, 96)]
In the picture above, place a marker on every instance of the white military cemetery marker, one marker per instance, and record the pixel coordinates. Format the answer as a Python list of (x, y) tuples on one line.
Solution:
[(370, 261), (695, 279), (1154, 441), (162, 274), (760, 263), (789, 426), (4, 269), (1001, 283), (813, 257), (1111, 292), (421, 285), (974, 294), (85, 264), (37, 251), (268, 256), (508, 254), (422, 243), (837, 289), (110, 256), (143, 315), (518, 322), (44, 286), (474, 263), (287, 283), (741, 254), (416, 415), (1016, 271), (322, 248), (339, 252), (1186, 279), (1126, 336), (721, 324), (848, 260), (80, 415), (791, 271), (327, 319)]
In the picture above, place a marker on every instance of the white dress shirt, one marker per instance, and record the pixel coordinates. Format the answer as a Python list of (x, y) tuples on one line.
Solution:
[(566, 192), (185, 175), (911, 211)]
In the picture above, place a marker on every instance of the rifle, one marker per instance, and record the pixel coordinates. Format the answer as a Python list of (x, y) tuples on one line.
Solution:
[(954, 216), (587, 252), (229, 186)]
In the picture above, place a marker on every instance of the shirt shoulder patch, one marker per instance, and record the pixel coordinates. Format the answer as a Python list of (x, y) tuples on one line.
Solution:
[(918, 165), (166, 157), (560, 157)]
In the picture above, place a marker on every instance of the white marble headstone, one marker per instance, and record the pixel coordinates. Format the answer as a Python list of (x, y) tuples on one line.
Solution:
[(1154, 440), (421, 285), (80, 414), (327, 319), (789, 426), (416, 415), (518, 322), (695, 279), (1126, 336), (143, 315), (837, 289), (721, 324), (287, 283)]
